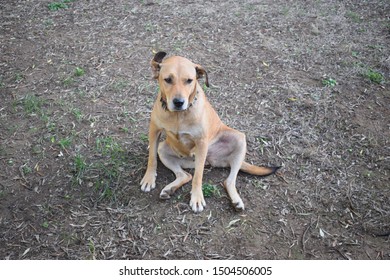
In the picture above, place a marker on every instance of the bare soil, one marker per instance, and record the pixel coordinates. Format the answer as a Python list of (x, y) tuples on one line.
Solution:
[(307, 81)]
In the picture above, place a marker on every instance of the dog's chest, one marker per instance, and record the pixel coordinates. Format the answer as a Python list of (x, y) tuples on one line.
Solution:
[(183, 137)]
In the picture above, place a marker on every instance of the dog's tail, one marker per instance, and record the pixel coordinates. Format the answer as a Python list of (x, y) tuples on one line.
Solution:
[(258, 170)]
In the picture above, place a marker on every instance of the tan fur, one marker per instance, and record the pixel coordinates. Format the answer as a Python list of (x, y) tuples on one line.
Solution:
[(195, 135)]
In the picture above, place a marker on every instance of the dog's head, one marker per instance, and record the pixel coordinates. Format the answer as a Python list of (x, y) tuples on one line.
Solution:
[(178, 80)]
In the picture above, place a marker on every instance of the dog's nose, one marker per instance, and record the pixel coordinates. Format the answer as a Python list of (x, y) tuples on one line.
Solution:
[(178, 102)]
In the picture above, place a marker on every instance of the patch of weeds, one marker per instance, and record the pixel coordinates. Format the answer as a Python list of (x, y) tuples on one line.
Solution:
[(80, 167), (259, 184), (329, 82), (368, 173), (210, 190), (264, 142), (18, 77), (68, 81), (12, 128), (149, 27), (2, 194), (110, 168), (78, 72), (355, 54), (69, 239), (178, 46), (124, 129), (157, 229), (120, 85), (48, 23), (45, 224), (55, 6), (108, 146), (3, 152), (51, 126), (374, 76), (37, 149), (285, 11), (65, 143), (144, 138), (77, 113), (92, 249), (32, 104), (45, 118), (26, 169), (104, 186), (81, 93), (354, 17)]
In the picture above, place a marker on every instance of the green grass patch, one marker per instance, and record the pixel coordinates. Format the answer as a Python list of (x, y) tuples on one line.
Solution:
[(355, 17), (79, 168), (45, 224), (2, 83), (26, 169), (77, 114), (65, 143), (144, 138), (32, 104), (210, 190), (374, 76), (110, 167), (68, 81), (329, 82), (120, 85), (55, 6), (78, 72), (2, 194), (18, 77), (109, 147)]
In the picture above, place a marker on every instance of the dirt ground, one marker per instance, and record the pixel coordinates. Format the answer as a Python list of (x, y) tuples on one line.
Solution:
[(307, 81)]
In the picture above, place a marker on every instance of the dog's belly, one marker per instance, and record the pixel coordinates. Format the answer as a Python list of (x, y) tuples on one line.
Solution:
[(219, 151)]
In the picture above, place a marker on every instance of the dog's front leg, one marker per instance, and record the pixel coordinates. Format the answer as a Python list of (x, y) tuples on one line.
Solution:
[(149, 181), (197, 202)]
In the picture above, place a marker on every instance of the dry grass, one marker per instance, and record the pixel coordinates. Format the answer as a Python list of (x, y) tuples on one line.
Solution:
[(73, 144)]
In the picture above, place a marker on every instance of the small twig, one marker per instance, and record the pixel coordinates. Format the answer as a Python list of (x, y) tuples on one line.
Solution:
[(22, 173), (279, 175), (341, 253), (303, 236)]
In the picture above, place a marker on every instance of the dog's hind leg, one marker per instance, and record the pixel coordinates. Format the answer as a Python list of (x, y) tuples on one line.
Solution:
[(176, 164), (235, 160), (229, 151)]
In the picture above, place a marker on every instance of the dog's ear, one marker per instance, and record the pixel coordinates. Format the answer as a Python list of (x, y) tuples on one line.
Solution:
[(200, 72), (157, 59)]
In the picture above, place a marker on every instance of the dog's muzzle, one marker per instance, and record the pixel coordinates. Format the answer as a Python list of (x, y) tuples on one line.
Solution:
[(178, 104)]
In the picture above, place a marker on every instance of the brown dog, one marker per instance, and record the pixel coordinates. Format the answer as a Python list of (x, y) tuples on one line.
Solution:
[(195, 135)]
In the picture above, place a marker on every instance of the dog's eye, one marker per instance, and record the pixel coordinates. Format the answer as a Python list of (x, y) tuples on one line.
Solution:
[(189, 81), (168, 80)]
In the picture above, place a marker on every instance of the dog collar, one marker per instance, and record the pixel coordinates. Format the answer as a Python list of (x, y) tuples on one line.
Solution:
[(164, 104)]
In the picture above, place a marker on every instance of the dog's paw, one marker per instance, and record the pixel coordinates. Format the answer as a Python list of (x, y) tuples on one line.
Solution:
[(239, 205), (197, 202), (166, 193), (148, 183)]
